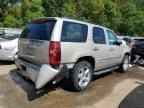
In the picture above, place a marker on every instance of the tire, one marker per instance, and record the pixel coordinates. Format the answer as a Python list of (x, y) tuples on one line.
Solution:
[(81, 75), (15, 58), (125, 64)]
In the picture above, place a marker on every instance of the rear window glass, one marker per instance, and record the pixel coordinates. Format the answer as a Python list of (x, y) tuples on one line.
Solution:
[(127, 40), (38, 30), (74, 32), (139, 41)]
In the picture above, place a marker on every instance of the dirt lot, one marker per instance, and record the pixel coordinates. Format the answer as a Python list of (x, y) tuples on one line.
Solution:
[(106, 91)]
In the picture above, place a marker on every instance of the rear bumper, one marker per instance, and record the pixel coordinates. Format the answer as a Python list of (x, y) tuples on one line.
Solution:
[(40, 75)]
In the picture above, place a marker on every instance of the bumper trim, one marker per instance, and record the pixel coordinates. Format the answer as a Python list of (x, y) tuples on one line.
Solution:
[(46, 74), (40, 75)]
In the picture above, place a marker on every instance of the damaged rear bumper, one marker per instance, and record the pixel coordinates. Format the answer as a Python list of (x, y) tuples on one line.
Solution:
[(40, 75)]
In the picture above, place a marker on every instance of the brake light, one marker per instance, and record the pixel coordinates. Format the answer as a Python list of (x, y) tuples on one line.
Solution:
[(133, 46), (54, 53)]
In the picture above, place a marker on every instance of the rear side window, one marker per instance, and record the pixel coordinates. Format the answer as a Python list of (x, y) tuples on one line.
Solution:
[(38, 30), (74, 32), (99, 35)]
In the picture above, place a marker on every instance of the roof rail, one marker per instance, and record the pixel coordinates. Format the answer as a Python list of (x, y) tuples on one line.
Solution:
[(87, 21)]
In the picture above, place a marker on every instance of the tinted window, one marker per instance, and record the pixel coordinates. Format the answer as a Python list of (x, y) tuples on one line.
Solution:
[(139, 41), (98, 35), (38, 30), (74, 32), (111, 37)]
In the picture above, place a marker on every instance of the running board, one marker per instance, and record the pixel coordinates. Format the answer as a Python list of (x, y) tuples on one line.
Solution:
[(105, 71)]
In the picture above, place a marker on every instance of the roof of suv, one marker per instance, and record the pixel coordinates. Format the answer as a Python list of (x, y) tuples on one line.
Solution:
[(65, 18)]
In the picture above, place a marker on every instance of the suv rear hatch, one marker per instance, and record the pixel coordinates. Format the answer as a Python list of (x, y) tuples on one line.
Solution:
[(35, 39)]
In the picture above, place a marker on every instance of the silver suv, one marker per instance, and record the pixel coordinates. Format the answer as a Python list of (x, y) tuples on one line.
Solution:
[(53, 48)]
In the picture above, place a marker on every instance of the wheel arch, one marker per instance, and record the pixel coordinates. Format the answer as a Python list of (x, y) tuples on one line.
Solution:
[(90, 59), (127, 53)]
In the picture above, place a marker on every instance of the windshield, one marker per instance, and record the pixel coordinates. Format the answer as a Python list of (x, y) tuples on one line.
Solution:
[(38, 30)]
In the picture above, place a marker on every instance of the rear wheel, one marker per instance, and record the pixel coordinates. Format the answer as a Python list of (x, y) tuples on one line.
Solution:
[(125, 64), (81, 75)]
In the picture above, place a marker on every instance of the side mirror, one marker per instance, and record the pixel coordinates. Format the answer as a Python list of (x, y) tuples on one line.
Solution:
[(118, 42)]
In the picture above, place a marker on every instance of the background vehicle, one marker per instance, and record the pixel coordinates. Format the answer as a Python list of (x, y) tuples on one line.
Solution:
[(129, 41), (50, 48), (137, 48), (8, 47), (10, 31)]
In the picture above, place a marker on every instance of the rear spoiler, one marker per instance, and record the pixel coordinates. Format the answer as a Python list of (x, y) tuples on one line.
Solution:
[(43, 19)]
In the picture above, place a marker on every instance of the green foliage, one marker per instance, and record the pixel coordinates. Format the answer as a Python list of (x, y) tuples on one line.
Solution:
[(31, 9), (139, 23), (126, 17), (16, 13), (68, 10), (53, 7), (11, 21)]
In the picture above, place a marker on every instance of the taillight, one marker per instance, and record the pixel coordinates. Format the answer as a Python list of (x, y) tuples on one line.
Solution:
[(54, 53), (133, 46)]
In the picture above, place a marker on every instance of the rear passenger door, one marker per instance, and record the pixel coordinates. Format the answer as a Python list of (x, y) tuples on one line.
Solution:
[(100, 49), (74, 42), (115, 50)]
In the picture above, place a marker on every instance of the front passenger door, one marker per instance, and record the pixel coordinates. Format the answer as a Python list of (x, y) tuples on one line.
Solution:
[(115, 50)]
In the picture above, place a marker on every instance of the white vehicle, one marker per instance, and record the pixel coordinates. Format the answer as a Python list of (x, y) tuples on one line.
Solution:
[(54, 47), (8, 47), (10, 31)]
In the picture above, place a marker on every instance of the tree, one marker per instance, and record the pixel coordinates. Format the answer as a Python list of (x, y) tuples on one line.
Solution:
[(53, 7), (68, 10), (15, 13), (125, 17), (4, 7), (31, 9), (128, 11), (139, 23), (11, 21)]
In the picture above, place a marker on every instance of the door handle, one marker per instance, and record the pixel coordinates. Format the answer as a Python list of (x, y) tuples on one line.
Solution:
[(96, 49), (111, 49)]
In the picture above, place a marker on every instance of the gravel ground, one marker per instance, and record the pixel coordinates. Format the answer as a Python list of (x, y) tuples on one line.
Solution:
[(106, 91)]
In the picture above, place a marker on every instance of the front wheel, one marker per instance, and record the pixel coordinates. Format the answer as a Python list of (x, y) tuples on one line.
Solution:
[(82, 75), (125, 64)]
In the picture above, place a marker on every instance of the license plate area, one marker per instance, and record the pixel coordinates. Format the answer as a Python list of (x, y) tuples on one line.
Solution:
[(23, 68)]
